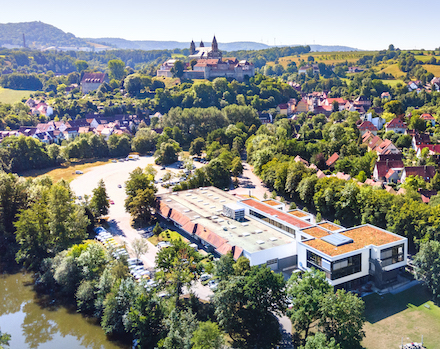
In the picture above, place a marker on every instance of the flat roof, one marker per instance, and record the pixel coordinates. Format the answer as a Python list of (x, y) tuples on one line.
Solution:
[(316, 232), (298, 213), (330, 226), (362, 236), (274, 212), (272, 202), (204, 207)]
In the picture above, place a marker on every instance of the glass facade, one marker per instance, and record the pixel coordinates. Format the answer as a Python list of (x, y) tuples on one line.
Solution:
[(335, 270), (273, 222), (392, 255)]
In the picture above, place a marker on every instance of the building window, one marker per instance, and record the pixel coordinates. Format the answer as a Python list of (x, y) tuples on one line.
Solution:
[(346, 266), (392, 255), (273, 222)]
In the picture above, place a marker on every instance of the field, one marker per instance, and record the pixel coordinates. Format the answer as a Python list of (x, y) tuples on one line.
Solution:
[(66, 172), (169, 82), (393, 83), (407, 315), (325, 57), (394, 70), (9, 96), (434, 69)]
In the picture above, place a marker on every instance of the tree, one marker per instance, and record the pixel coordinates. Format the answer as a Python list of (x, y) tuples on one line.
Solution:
[(427, 262), (145, 320), (319, 341), (307, 293), (224, 267), (81, 65), (236, 167), (176, 266), (157, 229), (116, 68), (197, 146), (182, 325), (178, 68), (4, 339), (168, 152), (100, 202), (342, 317), (139, 246), (207, 336), (414, 183), (217, 173), (395, 107), (140, 190), (245, 307), (144, 141)]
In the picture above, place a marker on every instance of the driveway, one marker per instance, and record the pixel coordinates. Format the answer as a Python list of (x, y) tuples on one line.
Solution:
[(250, 184)]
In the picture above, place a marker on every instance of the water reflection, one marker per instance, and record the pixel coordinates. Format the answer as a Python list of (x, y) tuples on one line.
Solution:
[(40, 322)]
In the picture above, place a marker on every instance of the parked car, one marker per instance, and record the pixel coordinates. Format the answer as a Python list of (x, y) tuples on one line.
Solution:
[(205, 277), (79, 172), (213, 284), (112, 202), (119, 186)]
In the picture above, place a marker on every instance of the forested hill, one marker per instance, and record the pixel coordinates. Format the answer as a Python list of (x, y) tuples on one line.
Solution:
[(148, 45), (38, 34)]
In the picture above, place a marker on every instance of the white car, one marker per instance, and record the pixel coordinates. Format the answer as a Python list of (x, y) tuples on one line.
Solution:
[(205, 277), (213, 284)]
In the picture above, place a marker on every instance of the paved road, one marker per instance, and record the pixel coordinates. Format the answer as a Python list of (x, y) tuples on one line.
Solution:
[(250, 184)]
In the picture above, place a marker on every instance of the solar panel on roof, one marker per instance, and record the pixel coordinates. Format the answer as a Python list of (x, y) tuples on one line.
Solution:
[(337, 239)]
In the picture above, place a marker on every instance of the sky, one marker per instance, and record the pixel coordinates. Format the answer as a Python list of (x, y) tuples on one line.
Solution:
[(369, 25)]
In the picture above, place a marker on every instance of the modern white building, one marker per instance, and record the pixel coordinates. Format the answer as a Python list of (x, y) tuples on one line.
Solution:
[(267, 233)]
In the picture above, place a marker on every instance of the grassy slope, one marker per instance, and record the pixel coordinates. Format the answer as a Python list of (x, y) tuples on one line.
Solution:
[(9, 96), (393, 317), (434, 69)]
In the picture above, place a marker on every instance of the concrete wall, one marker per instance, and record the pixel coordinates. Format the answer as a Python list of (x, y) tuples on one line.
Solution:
[(279, 252)]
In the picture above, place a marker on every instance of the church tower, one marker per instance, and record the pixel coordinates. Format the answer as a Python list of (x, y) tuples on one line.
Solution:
[(214, 45), (202, 44), (192, 48)]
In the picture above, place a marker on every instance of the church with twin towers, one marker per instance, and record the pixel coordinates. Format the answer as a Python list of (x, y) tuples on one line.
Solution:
[(210, 64)]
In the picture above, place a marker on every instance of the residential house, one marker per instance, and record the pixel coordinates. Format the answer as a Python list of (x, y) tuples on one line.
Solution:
[(320, 174), (362, 101), (386, 147), (427, 194), (397, 125), (341, 102), (412, 85), (418, 138), (367, 126), (434, 149), (387, 163), (303, 69), (385, 95), (374, 142), (283, 108), (70, 133), (302, 106), (426, 172), (88, 122), (300, 159), (265, 118), (341, 175), (435, 84), (331, 160), (27, 131), (378, 122), (428, 118), (91, 81)]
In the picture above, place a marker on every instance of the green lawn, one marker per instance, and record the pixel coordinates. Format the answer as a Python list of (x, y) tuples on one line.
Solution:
[(9, 96), (166, 235), (393, 83), (405, 315)]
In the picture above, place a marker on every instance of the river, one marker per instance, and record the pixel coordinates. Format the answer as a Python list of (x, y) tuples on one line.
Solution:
[(40, 322)]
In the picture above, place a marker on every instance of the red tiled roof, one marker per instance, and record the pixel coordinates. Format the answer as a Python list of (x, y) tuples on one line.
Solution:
[(320, 174), (209, 236), (237, 252), (374, 142), (178, 217), (427, 116), (224, 249), (93, 78), (367, 125), (343, 176), (426, 172), (283, 106), (274, 212), (383, 167), (432, 147), (396, 123), (341, 101), (332, 159)]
